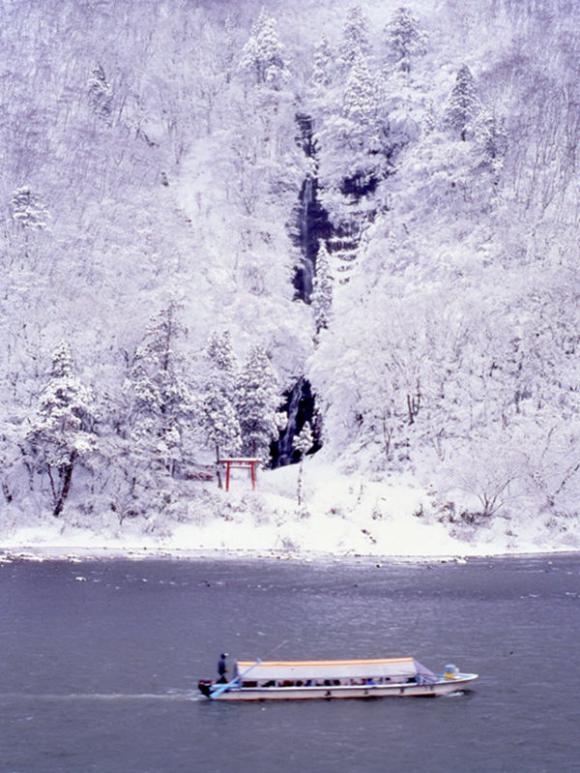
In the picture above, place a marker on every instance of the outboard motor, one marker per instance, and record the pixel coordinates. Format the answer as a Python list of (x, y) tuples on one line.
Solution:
[(205, 686)]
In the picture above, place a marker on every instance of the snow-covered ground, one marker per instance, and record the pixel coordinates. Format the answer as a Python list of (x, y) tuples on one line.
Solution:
[(342, 515)]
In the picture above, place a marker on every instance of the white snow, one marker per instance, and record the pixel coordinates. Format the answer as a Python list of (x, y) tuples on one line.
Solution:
[(344, 515)]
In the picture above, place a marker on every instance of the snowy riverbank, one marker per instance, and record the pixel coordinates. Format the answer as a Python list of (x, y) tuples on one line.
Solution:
[(342, 515)]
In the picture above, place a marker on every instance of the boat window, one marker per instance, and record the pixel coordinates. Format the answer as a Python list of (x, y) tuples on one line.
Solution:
[(249, 684)]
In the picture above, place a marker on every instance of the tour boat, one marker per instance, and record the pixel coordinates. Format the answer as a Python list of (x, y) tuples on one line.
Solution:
[(308, 679)]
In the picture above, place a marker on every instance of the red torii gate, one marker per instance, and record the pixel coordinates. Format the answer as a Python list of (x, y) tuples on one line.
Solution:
[(241, 463)]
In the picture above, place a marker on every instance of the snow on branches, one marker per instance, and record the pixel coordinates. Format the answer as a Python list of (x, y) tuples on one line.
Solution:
[(303, 442), (258, 400), (263, 53), (100, 94), (321, 300), (355, 37), (405, 39), (60, 434), (160, 406), (464, 105), (28, 209), (219, 418)]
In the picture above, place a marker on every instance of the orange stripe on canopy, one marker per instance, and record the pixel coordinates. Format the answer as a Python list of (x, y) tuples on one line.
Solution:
[(290, 663)]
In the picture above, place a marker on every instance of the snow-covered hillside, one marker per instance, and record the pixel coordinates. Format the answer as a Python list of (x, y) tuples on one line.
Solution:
[(229, 226)]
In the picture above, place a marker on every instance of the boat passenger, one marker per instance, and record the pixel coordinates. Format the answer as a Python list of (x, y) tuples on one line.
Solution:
[(222, 668)]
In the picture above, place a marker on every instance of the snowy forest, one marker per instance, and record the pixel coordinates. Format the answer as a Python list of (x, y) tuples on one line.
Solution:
[(340, 238)]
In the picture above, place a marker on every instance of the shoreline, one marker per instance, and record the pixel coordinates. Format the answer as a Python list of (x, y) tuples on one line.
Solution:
[(77, 554)]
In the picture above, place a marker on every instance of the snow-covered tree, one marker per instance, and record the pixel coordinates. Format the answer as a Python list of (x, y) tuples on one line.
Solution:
[(10, 459), (229, 50), (160, 402), (219, 420), (405, 39), (218, 417), (361, 106), (355, 36), (61, 432), (302, 444), (258, 400), (28, 209), (304, 441), (322, 65), (491, 137), (263, 53), (100, 93), (321, 300), (222, 358), (464, 105)]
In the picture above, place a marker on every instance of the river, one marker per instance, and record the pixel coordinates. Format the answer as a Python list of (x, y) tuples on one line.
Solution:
[(99, 661)]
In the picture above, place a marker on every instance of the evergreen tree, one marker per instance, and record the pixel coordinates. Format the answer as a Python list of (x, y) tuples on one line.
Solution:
[(229, 50), (355, 36), (62, 431), (263, 53), (220, 420), (28, 209), (100, 93), (361, 107), (323, 65), (218, 412), (492, 139), (303, 442), (257, 401), (464, 104), (161, 403), (322, 293), (222, 358), (405, 39)]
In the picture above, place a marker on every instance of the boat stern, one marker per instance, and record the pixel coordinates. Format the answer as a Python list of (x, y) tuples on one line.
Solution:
[(204, 686)]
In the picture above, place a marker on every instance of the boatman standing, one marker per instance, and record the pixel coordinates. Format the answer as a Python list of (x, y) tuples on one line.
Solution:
[(222, 668)]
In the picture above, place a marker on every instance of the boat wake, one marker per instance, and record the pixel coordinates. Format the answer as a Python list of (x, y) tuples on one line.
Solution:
[(185, 695)]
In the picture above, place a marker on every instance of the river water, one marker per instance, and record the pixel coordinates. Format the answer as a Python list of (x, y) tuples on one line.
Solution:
[(99, 659)]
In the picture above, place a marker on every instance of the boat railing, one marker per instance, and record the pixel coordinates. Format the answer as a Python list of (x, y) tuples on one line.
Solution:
[(426, 679)]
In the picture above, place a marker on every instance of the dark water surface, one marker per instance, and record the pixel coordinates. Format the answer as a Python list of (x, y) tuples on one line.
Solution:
[(98, 673)]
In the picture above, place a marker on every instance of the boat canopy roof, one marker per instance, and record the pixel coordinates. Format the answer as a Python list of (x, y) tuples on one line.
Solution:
[(329, 669)]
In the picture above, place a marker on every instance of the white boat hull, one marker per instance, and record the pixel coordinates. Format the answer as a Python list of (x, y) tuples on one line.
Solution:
[(401, 690)]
